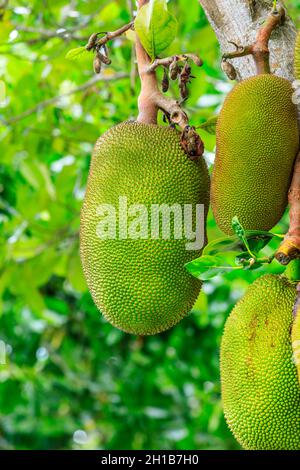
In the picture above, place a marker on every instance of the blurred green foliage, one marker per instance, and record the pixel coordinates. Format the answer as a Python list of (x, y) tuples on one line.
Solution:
[(71, 380)]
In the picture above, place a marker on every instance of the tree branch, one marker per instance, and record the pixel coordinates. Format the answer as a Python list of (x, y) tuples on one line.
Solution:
[(151, 100), (115, 34), (44, 104), (260, 49), (45, 35), (60, 32), (239, 21), (167, 61), (290, 248)]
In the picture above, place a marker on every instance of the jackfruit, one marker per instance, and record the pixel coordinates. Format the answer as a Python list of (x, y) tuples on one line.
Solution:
[(260, 388), (257, 142), (140, 285), (297, 57), (296, 339)]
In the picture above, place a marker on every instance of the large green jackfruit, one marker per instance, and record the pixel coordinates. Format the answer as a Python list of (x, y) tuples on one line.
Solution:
[(260, 388), (257, 142), (296, 338), (141, 285)]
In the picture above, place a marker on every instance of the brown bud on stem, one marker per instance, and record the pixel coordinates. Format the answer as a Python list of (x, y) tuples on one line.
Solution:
[(192, 143), (97, 64), (165, 81), (92, 42), (228, 69), (174, 69), (106, 60)]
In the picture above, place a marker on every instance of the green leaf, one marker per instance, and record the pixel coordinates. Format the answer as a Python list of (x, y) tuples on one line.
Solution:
[(256, 240), (244, 259), (223, 244), (206, 267), (24, 249), (241, 233), (155, 27), (2, 91), (75, 273), (131, 35), (238, 228), (77, 53), (38, 176), (210, 125)]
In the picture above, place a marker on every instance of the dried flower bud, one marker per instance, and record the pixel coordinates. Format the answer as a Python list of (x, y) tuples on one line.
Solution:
[(165, 81), (192, 143), (106, 60), (174, 69), (92, 42), (228, 69), (97, 63)]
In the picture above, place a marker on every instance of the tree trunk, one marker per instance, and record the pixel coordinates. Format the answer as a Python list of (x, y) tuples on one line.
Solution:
[(238, 21)]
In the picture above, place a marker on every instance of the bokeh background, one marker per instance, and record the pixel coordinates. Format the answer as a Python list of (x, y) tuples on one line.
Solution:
[(70, 379)]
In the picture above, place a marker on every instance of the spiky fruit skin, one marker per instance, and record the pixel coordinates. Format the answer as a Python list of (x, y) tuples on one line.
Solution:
[(296, 340), (260, 389), (257, 142), (141, 286), (297, 58)]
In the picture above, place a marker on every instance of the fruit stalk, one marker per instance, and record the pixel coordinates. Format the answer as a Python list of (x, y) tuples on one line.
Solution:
[(290, 248), (151, 99)]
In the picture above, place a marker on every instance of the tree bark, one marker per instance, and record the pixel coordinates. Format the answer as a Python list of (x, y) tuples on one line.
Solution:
[(238, 21)]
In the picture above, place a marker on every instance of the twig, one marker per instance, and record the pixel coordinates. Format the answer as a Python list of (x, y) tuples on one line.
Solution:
[(114, 34), (44, 104), (167, 61), (150, 98), (54, 33), (98, 46), (260, 49), (60, 32), (45, 34), (290, 247), (133, 69)]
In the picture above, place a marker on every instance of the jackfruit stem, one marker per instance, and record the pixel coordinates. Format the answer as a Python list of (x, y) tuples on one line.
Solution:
[(260, 49), (290, 247), (151, 99)]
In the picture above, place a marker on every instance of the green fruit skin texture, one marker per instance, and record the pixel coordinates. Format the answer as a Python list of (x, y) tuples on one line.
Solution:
[(257, 142), (141, 286), (260, 388), (296, 340), (297, 58)]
